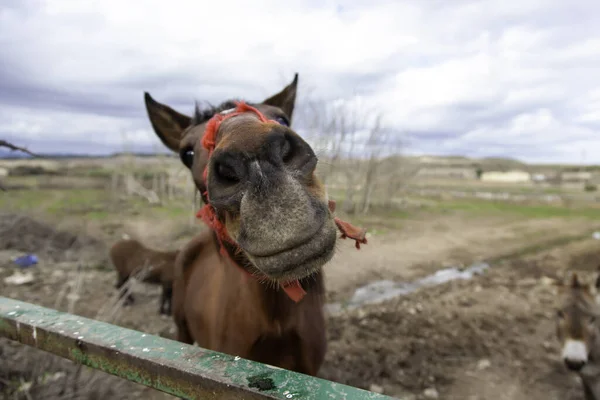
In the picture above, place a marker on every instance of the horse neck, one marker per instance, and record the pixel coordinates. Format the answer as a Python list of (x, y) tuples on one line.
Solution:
[(583, 302), (589, 306), (171, 255), (276, 303), (278, 306), (594, 308), (164, 256)]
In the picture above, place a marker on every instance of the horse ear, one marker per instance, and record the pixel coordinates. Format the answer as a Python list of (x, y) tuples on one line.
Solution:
[(286, 99), (167, 123)]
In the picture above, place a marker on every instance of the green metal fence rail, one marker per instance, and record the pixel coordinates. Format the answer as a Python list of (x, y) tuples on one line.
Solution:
[(189, 372)]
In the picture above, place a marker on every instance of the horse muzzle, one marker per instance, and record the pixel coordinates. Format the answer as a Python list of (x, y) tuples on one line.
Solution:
[(574, 365)]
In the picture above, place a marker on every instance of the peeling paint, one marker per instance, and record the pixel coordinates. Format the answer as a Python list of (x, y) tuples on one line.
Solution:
[(185, 371)]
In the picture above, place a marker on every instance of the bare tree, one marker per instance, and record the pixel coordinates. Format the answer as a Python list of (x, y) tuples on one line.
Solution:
[(350, 121), (343, 123), (374, 147), (319, 122), (12, 147), (402, 170), (357, 146)]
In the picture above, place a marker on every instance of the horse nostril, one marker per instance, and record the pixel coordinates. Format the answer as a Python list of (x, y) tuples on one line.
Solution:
[(287, 151), (226, 172), (574, 365)]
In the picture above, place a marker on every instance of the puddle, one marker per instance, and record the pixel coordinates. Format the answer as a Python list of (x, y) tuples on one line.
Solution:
[(379, 291)]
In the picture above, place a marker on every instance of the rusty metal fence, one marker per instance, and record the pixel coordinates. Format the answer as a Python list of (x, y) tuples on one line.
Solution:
[(172, 367)]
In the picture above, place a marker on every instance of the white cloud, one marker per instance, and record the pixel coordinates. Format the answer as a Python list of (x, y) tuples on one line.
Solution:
[(31, 126), (499, 77)]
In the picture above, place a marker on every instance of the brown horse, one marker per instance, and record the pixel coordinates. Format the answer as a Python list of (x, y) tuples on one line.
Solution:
[(253, 286), (131, 257), (579, 333)]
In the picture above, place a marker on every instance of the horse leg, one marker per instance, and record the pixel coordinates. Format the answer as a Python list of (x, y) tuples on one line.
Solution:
[(169, 307), (119, 285), (161, 308), (168, 299), (183, 333), (165, 300)]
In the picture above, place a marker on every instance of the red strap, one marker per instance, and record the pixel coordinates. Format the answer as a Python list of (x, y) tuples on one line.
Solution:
[(294, 290)]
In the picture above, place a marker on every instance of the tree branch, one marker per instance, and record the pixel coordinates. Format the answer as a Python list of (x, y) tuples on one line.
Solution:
[(4, 143)]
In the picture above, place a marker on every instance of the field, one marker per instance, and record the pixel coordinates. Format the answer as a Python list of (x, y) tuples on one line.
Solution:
[(489, 337)]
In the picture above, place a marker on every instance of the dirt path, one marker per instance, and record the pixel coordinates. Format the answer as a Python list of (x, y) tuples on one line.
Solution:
[(422, 247)]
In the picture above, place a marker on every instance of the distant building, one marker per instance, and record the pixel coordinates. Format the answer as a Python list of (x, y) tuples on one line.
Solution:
[(447, 172), (576, 176), (514, 176), (539, 177)]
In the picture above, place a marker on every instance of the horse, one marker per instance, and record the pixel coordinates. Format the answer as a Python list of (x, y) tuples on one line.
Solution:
[(130, 257), (252, 285), (578, 331)]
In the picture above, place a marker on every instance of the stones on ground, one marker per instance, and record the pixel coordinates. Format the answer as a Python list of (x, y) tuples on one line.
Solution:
[(547, 345), (546, 281), (376, 388), (58, 274), (528, 282), (18, 278), (484, 364), (431, 393)]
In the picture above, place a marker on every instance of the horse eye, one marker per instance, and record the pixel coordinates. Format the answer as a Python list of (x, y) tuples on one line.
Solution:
[(282, 121), (187, 157)]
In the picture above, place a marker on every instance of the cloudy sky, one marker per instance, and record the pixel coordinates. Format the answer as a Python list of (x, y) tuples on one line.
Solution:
[(513, 78)]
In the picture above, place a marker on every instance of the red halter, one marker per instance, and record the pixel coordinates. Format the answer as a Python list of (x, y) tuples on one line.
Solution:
[(208, 215)]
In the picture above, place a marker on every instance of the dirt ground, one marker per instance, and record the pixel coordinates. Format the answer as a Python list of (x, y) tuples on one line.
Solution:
[(423, 246), (488, 338)]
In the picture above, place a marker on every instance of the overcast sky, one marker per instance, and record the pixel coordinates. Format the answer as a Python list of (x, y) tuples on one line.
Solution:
[(514, 78)]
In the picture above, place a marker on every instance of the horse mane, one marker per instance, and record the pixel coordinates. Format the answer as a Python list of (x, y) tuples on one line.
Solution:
[(203, 114)]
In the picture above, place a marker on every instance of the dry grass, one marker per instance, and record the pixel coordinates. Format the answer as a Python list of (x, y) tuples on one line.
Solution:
[(28, 374)]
